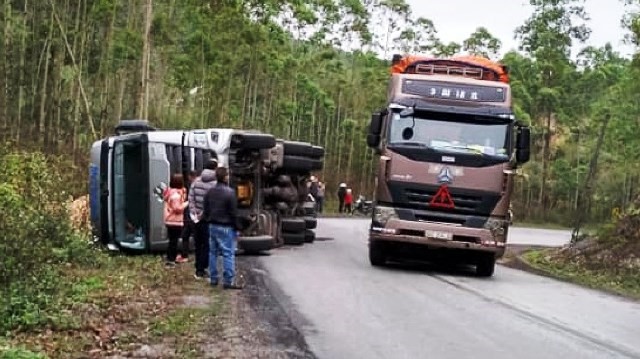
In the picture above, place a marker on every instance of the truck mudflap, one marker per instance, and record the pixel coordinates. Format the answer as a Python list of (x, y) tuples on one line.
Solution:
[(255, 244)]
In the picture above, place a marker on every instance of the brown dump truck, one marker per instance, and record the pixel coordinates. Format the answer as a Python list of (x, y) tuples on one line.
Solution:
[(448, 145)]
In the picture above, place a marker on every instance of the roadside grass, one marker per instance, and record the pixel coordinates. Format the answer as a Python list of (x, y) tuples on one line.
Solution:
[(615, 280), (119, 304)]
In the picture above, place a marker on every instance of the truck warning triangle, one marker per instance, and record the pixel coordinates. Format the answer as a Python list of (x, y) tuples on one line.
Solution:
[(442, 198)]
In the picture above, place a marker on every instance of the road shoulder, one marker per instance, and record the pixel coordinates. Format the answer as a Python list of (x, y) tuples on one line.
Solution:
[(544, 261)]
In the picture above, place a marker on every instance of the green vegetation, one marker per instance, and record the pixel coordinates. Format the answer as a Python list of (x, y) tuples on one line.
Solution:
[(61, 295), (578, 270)]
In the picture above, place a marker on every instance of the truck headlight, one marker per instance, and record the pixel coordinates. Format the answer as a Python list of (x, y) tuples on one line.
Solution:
[(496, 226), (381, 215)]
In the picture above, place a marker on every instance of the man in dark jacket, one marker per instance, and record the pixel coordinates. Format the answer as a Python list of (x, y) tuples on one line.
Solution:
[(342, 191), (220, 211), (199, 189)]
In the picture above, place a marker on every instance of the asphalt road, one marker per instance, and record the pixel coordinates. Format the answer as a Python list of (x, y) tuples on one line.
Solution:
[(347, 309)]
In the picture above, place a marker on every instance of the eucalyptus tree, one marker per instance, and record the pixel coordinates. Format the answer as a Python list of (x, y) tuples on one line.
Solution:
[(548, 36)]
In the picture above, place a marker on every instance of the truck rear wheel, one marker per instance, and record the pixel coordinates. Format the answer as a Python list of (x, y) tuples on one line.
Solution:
[(309, 236), (296, 163), (377, 255), (311, 222), (253, 141), (486, 265), (316, 164), (295, 148), (294, 239), (317, 152), (293, 225)]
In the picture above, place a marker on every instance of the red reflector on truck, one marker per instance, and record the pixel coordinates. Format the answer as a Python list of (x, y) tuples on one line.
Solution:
[(442, 198)]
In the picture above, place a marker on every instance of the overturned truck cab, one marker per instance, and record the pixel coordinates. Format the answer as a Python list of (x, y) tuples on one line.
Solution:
[(129, 170), (448, 145)]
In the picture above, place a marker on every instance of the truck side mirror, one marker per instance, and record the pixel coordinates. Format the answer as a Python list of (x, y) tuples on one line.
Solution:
[(375, 126), (523, 145), (373, 141)]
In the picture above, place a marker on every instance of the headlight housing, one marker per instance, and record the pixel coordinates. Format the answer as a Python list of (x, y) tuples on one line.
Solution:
[(381, 215), (496, 226)]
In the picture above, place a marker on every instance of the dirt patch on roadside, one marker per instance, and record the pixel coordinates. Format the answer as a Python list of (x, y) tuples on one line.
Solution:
[(259, 325), (226, 324), (143, 310)]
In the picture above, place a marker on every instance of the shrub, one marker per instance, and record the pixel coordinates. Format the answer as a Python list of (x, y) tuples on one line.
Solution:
[(37, 238)]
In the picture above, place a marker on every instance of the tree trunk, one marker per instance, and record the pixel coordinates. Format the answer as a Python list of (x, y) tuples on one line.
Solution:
[(585, 198), (23, 51), (543, 199), (142, 89), (4, 70), (44, 87)]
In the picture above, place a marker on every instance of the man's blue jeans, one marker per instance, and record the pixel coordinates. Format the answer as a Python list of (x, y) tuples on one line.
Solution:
[(222, 242)]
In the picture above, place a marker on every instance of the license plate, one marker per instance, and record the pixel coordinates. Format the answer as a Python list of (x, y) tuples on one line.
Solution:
[(438, 235)]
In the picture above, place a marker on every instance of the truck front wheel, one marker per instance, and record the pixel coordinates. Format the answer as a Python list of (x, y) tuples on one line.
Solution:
[(486, 265), (377, 255)]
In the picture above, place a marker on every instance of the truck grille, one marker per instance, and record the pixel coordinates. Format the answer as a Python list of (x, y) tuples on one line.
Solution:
[(464, 204), (415, 198)]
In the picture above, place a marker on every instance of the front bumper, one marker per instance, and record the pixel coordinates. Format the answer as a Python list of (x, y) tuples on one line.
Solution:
[(462, 238)]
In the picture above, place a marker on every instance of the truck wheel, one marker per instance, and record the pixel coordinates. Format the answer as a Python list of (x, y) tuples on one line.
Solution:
[(295, 148), (293, 239), (310, 222), (318, 152), (253, 141), (296, 163), (316, 164), (309, 236), (293, 225), (486, 265), (377, 256), (309, 209)]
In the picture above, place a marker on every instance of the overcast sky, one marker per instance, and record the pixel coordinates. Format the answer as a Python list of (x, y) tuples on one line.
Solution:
[(456, 19)]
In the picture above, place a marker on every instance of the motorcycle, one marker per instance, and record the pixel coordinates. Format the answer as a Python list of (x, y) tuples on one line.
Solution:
[(362, 206)]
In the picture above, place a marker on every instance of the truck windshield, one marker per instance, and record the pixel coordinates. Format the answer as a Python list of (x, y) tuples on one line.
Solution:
[(487, 138)]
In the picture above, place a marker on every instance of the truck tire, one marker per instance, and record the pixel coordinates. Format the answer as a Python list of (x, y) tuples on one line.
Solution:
[(377, 256), (253, 141), (316, 164), (318, 152), (295, 148), (311, 222), (293, 239), (256, 244), (309, 209), (485, 265), (293, 225), (309, 236), (296, 163)]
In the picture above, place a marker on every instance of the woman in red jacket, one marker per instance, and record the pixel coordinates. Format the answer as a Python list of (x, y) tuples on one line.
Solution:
[(348, 200)]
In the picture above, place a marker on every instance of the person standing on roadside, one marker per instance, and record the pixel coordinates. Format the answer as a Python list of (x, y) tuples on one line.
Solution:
[(348, 201), (320, 197), (175, 201), (188, 229), (199, 189), (220, 212), (342, 191)]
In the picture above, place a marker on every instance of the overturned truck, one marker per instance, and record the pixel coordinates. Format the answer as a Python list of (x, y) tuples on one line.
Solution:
[(270, 176)]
